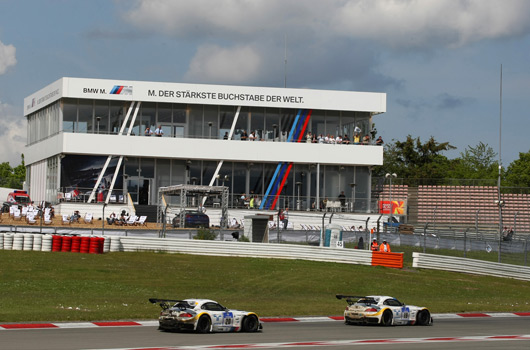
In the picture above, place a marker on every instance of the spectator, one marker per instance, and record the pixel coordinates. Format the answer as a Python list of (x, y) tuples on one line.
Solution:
[(252, 136), (342, 199), (252, 202), (244, 136), (285, 218), (379, 141), (75, 217), (356, 139), (159, 132), (148, 131), (360, 245), (226, 136), (122, 220), (320, 139), (338, 140), (384, 247), (111, 219), (323, 204), (281, 217), (309, 137), (374, 247), (242, 200), (366, 139), (234, 223), (346, 140)]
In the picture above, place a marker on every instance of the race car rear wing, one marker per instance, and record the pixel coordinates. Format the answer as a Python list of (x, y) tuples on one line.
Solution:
[(352, 299), (167, 303)]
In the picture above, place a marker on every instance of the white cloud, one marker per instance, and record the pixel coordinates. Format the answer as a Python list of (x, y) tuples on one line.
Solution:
[(7, 57), (228, 65), (12, 135), (415, 23), (396, 23)]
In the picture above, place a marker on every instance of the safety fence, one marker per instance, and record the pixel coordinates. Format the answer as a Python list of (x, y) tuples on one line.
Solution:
[(241, 249), (471, 266)]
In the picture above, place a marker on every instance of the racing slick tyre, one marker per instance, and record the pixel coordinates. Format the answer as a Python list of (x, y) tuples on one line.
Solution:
[(423, 318), (204, 324), (386, 319), (250, 324)]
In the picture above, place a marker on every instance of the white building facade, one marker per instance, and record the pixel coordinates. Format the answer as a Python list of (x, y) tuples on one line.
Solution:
[(99, 140)]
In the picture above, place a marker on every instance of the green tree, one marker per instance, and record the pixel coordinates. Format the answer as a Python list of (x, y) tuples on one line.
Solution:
[(12, 177), (518, 172), (414, 161), (475, 163)]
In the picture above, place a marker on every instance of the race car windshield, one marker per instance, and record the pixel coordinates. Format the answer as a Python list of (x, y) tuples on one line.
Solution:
[(21, 199)]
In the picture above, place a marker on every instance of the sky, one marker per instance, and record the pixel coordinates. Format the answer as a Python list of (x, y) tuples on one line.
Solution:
[(438, 61)]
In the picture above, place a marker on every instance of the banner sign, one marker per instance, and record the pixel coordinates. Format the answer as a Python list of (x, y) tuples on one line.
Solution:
[(397, 207)]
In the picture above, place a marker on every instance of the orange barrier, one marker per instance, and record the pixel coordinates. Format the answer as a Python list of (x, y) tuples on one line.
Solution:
[(394, 260)]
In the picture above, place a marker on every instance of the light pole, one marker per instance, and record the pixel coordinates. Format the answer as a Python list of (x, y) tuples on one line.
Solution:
[(390, 176)]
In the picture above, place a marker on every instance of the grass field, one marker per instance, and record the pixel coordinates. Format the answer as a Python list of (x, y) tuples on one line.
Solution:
[(44, 286)]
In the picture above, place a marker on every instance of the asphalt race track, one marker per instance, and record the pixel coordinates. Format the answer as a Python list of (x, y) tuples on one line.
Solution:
[(459, 333)]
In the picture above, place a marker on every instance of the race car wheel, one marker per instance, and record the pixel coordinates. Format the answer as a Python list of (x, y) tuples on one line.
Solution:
[(423, 318), (204, 324), (250, 324), (386, 319)]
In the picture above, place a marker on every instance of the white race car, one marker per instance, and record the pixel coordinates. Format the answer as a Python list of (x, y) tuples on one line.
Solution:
[(385, 310), (204, 316)]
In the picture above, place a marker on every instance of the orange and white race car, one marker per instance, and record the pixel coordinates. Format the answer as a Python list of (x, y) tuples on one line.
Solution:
[(204, 316), (383, 310)]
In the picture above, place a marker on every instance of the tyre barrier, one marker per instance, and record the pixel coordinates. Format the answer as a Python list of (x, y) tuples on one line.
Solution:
[(76, 244), (47, 243), (18, 241), (55, 243), (85, 244), (66, 245), (28, 241), (8, 241), (37, 242)]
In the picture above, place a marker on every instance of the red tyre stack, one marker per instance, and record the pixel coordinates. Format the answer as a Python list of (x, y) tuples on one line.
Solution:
[(66, 244), (85, 244), (57, 242), (76, 244), (101, 244), (94, 245)]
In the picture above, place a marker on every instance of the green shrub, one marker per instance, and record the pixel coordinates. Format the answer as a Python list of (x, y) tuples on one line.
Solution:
[(205, 234), (243, 239)]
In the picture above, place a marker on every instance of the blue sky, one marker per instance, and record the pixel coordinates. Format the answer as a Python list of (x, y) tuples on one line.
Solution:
[(438, 60)]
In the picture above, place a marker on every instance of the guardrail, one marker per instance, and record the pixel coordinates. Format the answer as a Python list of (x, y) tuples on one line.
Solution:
[(241, 249), (472, 266)]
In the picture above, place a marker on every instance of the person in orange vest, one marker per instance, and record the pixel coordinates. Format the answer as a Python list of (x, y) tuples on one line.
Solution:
[(384, 247), (374, 246)]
